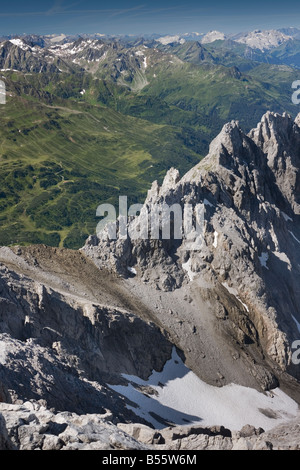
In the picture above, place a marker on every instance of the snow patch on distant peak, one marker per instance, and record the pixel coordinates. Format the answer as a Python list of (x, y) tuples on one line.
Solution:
[(75, 47), (263, 40), (213, 36), (170, 39), (19, 43), (60, 37), (283, 257), (207, 203), (286, 217)]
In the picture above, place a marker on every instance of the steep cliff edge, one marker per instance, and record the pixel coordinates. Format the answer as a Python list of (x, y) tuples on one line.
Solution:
[(241, 272), (67, 330)]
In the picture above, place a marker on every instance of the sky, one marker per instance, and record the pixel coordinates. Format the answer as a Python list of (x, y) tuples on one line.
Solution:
[(139, 17)]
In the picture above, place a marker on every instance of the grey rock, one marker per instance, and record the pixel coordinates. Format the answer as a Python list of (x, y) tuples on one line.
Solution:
[(283, 437), (31, 426), (66, 349), (87, 432), (249, 431), (249, 257), (5, 443), (142, 433)]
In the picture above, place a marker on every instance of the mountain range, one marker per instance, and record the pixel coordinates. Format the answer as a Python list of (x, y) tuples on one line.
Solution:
[(80, 110)]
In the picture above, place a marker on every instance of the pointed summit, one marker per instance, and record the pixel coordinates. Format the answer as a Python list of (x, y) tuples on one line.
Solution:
[(213, 36), (244, 251)]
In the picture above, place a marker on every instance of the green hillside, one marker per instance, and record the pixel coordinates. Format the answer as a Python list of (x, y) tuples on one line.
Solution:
[(73, 140)]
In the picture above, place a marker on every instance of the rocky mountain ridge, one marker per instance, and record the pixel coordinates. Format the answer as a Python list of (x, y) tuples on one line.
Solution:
[(61, 343), (75, 54), (18, 55), (108, 340), (263, 40), (249, 187)]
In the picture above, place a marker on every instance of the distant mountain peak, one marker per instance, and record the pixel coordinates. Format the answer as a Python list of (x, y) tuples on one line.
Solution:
[(213, 36), (263, 40), (170, 39)]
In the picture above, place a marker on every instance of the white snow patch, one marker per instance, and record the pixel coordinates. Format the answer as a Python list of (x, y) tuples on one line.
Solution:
[(62, 46), (286, 217), (58, 38), (2, 353), (297, 323), (207, 203), (263, 40), (187, 268), (295, 238), (263, 259), (19, 43), (216, 235), (141, 54), (132, 270), (283, 257), (82, 92), (169, 39), (182, 398), (213, 36)]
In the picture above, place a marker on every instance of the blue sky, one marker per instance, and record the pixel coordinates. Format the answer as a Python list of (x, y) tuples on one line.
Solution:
[(138, 17)]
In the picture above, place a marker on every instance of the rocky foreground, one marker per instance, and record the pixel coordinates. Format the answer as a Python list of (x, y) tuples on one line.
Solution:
[(31, 426)]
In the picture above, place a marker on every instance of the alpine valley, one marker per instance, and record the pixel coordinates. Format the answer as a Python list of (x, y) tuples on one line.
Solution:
[(90, 118), (143, 344)]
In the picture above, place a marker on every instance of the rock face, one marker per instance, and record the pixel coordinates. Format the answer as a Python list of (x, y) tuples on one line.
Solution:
[(31, 426), (245, 260), (59, 346), (17, 54)]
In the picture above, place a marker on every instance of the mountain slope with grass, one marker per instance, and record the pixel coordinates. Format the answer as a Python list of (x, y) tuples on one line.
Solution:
[(89, 120), (58, 163)]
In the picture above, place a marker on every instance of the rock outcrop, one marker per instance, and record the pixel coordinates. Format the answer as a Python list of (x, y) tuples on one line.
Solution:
[(31, 426), (60, 346), (245, 261)]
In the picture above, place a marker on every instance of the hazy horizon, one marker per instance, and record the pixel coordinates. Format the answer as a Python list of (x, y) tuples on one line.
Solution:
[(138, 18)]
